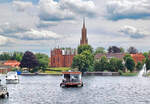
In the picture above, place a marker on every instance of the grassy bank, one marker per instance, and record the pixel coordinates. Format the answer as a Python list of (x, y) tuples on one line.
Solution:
[(57, 70), (52, 72), (129, 74), (61, 68)]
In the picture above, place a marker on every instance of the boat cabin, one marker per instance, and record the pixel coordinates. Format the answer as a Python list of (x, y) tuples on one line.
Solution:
[(72, 79)]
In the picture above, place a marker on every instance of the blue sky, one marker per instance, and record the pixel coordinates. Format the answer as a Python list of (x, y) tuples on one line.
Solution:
[(41, 25)]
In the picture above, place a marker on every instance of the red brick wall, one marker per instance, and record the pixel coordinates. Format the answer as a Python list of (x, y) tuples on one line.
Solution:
[(59, 60)]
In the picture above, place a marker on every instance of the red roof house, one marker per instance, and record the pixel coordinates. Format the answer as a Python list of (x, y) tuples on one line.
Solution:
[(139, 57), (12, 63)]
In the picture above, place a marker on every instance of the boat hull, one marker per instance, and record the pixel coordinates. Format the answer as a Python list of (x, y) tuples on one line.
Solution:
[(71, 84)]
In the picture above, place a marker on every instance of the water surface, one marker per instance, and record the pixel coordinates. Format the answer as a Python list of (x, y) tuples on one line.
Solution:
[(96, 90)]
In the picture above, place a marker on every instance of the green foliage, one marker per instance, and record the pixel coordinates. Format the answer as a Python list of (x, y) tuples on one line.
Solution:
[(83, 48), (122, 50), (17, 56), (43, 61), (99, 50), (129, 74), (83, 61), (11, 56), (5, 56), (139, 66), (130, 64), (14, 69), (146, 54), (115, 65), (29, 60), (147, 63), (126, 56), (101, 64), (120, 65)]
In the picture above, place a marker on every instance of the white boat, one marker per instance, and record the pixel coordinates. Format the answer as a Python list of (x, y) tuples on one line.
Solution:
[(12, 78)]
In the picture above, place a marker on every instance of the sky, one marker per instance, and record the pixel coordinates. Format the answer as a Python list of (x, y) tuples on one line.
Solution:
[(41, 25)]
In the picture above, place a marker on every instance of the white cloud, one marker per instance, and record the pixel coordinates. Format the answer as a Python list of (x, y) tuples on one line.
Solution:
[(132, 9), (8, 28), (3, 40), (40, 35), (134, 32), (65, 9), (21, 6)]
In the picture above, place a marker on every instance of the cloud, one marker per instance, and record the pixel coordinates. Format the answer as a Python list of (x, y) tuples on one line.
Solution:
[(3, 40), (40, 35), (22, 6), (134, 32), (51, 10), (128, 9), (31, 34), (9, 28)]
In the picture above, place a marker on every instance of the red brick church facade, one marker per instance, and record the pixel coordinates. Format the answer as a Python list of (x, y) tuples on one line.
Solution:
[(64, 58)]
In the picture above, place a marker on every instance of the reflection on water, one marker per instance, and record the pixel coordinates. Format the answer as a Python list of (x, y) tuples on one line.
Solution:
[(96, 90)]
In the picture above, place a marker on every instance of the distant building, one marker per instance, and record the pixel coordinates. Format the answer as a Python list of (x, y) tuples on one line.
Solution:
[(110, 55), (138, 57), (4, 69), (12, 63), (62, 57), (84, 39)]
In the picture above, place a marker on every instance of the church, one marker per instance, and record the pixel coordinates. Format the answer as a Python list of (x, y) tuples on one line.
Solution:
[(64, 57)]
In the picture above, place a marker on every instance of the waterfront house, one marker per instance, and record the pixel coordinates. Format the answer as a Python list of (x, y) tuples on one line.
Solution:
[(12, 63), (110, 55)]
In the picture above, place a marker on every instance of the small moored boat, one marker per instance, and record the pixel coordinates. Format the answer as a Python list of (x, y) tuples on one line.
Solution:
[(12, 78), (71, 79), (3, 91)]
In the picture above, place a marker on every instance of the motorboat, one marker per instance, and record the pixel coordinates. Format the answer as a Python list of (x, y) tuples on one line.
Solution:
[(3, 91), (12, 78), (71, 79)]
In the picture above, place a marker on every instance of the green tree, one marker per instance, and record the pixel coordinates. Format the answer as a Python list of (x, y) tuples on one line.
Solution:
[(130, 64), (120, 65), (146, 54), (5, 56), (122, 50), (17, 56), (83, 61), (100, 50), (113, 65), (147, 64), (126, 56), (43, 61), (101, 64), (139, 66), (83, 48), (29, 61)]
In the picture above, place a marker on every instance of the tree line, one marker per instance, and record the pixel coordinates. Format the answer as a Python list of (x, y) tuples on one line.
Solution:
[(28, 60), (85, 61)]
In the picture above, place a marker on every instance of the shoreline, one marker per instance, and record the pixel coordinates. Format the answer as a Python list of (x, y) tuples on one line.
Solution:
[(85, 74)]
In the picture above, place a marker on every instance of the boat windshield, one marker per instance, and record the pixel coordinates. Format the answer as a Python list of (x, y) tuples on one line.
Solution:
[(72, 77), (11, 73)]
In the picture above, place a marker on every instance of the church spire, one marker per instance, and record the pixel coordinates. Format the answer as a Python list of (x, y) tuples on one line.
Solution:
[(84, 40), (83, 22)]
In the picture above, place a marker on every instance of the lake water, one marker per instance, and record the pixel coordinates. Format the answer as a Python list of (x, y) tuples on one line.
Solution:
[(96, 90)]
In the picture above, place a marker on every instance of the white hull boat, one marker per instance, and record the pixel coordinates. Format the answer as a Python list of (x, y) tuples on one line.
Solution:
[(12, 78)]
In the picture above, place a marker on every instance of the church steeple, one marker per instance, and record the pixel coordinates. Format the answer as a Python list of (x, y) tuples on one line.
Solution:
[(84, 39)]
